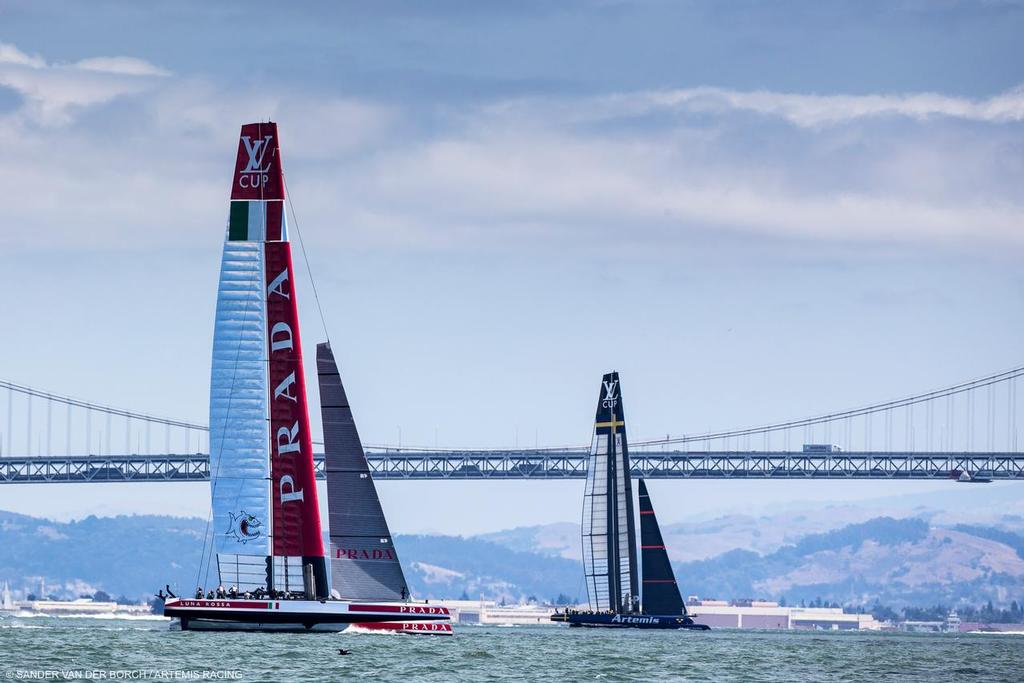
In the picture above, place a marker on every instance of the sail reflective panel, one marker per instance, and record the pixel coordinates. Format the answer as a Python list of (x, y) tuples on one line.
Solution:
[(364, 564), (239, 462), (660, 591), (261, 453), (609, 541)]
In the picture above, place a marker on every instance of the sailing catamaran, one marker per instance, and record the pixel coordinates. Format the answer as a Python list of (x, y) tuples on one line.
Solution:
[(267, 538), (609, 537)]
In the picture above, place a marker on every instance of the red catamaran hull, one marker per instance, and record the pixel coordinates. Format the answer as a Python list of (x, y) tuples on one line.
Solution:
[(306, 615)]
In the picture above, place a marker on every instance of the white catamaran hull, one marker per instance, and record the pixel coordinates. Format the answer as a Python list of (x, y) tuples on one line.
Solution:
[(305, 615)]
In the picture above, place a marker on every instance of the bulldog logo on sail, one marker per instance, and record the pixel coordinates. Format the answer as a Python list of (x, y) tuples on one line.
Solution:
[(244, 527)]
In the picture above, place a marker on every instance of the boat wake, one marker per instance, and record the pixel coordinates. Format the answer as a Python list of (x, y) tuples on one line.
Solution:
[(357, 630), (109, 616)]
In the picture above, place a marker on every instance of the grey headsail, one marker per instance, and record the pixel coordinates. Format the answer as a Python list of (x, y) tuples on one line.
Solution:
[(364, 564), (609, 541), (660, 590)]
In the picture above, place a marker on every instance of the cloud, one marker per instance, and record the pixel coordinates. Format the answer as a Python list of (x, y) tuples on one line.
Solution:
[(129, 66), (607, 172), (630, 194), (9, 54), (810, 110), (52, 93), (800, 109)]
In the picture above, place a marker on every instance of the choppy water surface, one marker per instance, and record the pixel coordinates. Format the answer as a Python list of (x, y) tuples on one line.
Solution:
[(144, 649)]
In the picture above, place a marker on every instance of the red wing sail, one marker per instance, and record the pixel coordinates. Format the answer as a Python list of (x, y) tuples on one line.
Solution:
[(258, 164), (296, 513), (257, 226)]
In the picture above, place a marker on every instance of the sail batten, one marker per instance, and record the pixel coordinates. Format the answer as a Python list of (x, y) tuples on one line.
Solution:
[(239, 467)]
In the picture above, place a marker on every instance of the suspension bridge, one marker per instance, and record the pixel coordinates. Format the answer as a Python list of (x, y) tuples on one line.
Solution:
[(966, 431)]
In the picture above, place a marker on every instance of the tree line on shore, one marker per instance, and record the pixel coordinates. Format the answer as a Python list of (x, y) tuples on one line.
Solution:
[(987, 613)]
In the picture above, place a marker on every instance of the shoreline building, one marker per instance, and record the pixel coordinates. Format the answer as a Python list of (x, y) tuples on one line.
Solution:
[(766, 614), (489, 613)]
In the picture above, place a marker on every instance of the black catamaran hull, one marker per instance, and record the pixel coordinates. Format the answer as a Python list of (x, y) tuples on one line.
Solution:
[(630, 621)]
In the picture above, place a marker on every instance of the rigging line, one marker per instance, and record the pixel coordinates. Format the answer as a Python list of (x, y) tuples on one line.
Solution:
[(305, 257)]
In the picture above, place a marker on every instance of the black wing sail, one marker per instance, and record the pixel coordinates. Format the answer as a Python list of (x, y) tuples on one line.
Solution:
[(660, 590), (364, 563), (609, 539)]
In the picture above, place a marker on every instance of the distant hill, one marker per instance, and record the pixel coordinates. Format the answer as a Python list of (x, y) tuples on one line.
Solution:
[(136, 555), (127, 555), (900, 561), (450, 566), (561, 539)]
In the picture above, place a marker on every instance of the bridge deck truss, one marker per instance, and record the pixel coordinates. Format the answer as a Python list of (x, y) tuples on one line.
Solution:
[(548, 465)]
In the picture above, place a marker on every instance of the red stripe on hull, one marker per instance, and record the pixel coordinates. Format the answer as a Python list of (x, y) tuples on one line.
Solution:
[(401, 609), (222, 604)]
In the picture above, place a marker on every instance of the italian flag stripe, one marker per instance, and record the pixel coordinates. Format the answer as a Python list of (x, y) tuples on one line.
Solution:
[(238, 223), (256, 221)]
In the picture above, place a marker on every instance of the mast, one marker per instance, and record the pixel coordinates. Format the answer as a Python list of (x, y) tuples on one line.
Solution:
[(265, 511), (609, 538), (660, 591), (364, 563)]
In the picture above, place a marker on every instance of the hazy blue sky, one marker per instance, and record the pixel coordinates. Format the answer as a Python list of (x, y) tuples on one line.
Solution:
[(753, 211)]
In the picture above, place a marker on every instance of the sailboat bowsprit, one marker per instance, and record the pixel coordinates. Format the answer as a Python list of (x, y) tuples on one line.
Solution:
[(267, 538), (609, 537)]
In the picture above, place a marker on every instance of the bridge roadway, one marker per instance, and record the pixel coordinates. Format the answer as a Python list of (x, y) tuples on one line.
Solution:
[(551, 464)]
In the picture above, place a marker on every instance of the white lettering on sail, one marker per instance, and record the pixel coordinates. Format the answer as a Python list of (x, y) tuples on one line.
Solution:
[(284, 389), (256, 151), (610, 399), (254, 175), (281, 337), (287, 440), (275, 286), (292, 494)]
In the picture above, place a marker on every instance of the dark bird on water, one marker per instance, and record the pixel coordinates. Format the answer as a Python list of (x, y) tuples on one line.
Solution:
[(342, 651)]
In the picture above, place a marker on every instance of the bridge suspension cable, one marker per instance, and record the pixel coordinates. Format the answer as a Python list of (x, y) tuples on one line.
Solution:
[(979, 383), (109, 410), (946, 438)]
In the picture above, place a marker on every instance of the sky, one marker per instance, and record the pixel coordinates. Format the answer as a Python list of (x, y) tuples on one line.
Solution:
[(753, 211)]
